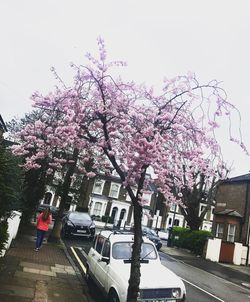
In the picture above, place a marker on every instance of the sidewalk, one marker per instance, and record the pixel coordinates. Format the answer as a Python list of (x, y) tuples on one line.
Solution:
[(45, 276), (233, 273)]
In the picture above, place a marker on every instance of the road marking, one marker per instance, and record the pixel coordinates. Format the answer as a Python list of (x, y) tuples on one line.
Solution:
[(203, 290), (83, 252), (78, 259), (194, 267)]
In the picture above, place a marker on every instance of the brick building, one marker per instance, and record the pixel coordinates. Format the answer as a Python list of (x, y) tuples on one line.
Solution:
[(232, 210)]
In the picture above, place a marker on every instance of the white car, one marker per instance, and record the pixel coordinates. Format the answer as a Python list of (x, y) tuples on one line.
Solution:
[(108, 265)]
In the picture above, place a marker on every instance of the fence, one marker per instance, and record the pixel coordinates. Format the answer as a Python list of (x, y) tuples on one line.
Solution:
[(13, 225)]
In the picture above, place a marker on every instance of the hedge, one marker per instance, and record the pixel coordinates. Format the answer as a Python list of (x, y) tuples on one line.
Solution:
[(191, 240), (108, 219)]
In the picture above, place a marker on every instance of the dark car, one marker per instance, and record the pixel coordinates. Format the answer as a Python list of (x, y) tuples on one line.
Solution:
[(152, 235), (53, 210), (78, 224)]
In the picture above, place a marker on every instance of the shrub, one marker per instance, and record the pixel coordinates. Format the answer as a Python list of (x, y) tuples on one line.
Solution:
[(191, 240), (3, 235), (96, 217), (107, 219)]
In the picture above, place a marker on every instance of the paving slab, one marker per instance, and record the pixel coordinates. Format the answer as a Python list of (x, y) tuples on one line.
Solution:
[(31, 276), (35, 265), (20, 291)]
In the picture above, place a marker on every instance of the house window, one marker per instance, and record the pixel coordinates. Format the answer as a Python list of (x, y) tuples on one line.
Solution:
[(97, 209), (146, 197), (128, 197), (174, 208), (170, 221), (47, 198), (231, 232), (114, 190), (122, 214), (176, 222), (98, 186), (203, 208), (114, 211), (219, 230)]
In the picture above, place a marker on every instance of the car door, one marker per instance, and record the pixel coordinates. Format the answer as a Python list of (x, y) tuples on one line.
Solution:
[(95, 256), (102, 265)]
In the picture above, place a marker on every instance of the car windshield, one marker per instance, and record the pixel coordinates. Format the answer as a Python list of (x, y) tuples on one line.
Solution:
[(79, 216), (150, 231), (123, 250)]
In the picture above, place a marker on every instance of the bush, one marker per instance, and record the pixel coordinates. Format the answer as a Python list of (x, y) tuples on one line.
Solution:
[(191, 240), (96, 217), (107, 219), (3, 235)]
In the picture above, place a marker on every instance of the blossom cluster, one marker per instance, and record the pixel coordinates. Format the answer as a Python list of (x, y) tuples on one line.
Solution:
[(128, 127)]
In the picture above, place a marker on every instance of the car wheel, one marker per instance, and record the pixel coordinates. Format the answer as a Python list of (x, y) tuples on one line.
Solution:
[(113, 297)]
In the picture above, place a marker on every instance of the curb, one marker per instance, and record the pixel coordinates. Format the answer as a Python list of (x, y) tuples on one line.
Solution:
[(78, 273), (72, 263)]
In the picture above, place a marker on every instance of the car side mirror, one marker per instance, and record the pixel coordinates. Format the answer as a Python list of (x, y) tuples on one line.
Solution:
[(105, 259)]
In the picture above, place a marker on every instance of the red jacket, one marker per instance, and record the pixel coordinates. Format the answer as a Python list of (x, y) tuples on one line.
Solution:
[(43, 225)]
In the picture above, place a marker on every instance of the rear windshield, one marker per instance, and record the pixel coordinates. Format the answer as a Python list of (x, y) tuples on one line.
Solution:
[(123, 250)]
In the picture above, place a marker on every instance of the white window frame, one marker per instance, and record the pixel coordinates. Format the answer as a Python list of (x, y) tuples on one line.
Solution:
[(173, 209), (118, 191), (147, 197), (202, 206), (128, 197), (218, 231), (231, 232), (97, 211), (102, 181)]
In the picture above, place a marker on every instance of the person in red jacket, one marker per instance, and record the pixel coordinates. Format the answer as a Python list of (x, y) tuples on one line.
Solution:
[(43, 221)]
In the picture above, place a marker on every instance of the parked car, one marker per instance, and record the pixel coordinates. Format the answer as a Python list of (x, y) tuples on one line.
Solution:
[(152, 235), (78, 224), (108, 265), (53, 210), (163, 234)]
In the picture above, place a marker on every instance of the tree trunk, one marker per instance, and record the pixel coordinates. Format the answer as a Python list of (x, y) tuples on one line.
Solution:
[(134, 279), (84, 199), (34, 189), (56, 231)]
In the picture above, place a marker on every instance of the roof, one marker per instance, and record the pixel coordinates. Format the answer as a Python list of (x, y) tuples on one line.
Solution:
[(2, 124), (229, 212), (245, 177), (120, 236)]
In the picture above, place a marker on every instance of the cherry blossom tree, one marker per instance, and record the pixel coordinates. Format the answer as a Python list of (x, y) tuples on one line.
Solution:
[(42, 159), (130, 127), (202, 192)]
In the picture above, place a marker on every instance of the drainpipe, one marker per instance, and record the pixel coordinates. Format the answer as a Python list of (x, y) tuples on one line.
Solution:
[(248, 227), (248, 243)]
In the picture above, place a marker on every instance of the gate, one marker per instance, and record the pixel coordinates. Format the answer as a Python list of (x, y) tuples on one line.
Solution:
[(226, 252)]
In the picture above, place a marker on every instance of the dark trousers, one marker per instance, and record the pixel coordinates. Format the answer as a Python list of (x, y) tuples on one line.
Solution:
[(39, 238)]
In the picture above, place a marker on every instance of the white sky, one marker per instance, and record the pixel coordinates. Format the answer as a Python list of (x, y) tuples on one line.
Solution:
[(157, 38)]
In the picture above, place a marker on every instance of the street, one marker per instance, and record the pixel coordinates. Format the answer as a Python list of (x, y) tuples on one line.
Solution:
[(202, 286)]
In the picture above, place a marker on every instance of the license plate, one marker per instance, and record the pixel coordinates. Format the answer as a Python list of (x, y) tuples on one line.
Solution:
[(81, 231), (164, 300)]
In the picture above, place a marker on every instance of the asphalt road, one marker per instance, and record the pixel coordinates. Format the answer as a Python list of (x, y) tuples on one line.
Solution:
[(202, 286)]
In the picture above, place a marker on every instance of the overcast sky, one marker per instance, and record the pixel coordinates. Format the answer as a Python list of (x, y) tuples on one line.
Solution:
[(157, 38)]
